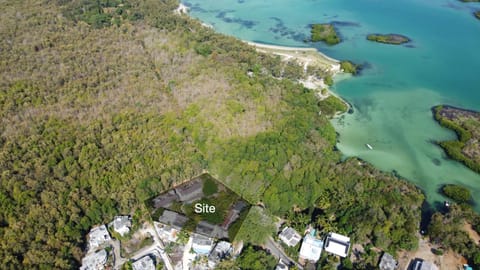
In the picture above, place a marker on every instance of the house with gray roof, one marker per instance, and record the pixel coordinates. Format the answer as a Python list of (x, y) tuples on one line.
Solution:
[(290, 237), (190, 191), (173, 219), (165, 200), (122, 224)]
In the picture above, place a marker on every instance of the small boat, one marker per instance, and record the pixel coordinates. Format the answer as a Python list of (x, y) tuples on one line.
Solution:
[(369, 146)]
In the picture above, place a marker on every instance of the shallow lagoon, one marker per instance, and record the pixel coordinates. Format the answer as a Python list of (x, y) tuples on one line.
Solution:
[(393, 97)]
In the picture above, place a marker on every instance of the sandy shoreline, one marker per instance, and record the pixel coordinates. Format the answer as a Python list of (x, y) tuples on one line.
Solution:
[(291, 49), (305, 56)]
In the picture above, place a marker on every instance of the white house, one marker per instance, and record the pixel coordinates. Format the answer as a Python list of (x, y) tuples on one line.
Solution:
[(98, 236), (202, 245), (289, 236), (122, 224), (144, 263), (94, 260), (311, 248), (337, 244)]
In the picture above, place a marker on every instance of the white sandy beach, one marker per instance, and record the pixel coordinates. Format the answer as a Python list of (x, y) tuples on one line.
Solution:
[(306, 57), (303, 55)]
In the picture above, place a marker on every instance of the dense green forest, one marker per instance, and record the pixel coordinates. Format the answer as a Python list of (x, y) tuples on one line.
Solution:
[(105, 104)]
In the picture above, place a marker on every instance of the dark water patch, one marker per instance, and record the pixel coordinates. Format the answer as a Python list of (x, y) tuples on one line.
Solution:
[(436, 161), (427, 211), (195, 7), (345, 23), (281, 30), (245, 23), (240, 1), (454, 6), (409, 46)]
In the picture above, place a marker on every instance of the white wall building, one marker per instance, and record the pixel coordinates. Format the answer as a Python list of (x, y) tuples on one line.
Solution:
[(98, 236), (145, 263), (202, 245), (337, 244), (311, 248), (94, 260), (122, 224)]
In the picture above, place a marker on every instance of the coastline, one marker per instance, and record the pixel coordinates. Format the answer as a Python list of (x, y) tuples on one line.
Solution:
[(307, 56)]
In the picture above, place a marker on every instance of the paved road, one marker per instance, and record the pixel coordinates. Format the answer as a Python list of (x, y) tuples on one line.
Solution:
[(278, 252), (168, 263), (119, 261)]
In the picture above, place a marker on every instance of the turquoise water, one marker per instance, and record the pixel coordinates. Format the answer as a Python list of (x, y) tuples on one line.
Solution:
[(393, 97)]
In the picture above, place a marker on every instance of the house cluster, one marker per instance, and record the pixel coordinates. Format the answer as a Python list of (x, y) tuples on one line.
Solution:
[(201, 250), (312, 246), (187, 193), (99, 239)]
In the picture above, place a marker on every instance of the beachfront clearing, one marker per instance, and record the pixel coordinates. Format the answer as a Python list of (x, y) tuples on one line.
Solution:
[(472, 233), (448, 261), (309, 58)]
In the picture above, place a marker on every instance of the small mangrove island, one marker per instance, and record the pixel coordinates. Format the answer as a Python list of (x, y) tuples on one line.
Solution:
[(394, 39), (477, 14), (466, 123), (324, 32), (350, 67)]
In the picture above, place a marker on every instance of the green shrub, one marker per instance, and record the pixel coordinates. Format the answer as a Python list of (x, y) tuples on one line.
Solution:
[(457, 193), (209, 187)]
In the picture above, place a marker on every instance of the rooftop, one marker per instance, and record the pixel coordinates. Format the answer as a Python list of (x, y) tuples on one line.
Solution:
[(165, 200), (419, 264), (239, 206), (311, 248), (95, 260), (201, 244), (337, 244), (290, 237), (144, 263), (173, 219), (122, 224), (190, 191), (98, 236), (387, 262)]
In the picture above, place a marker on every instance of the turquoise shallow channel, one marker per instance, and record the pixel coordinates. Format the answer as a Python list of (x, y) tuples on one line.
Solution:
[(393, 96)]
